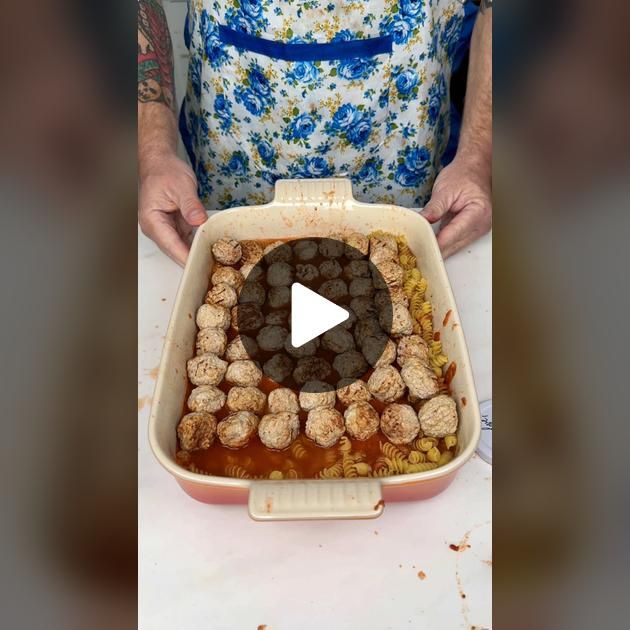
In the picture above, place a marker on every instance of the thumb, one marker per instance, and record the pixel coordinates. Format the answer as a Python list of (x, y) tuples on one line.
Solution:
[(191, 207), (437, 207)]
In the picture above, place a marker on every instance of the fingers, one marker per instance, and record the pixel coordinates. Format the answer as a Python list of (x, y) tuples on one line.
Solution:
[(462, 229), (191, 208), (160, 227), (437, 207)]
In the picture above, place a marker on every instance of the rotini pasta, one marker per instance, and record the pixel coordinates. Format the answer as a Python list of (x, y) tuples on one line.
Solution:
[(331, 472), (416, 457), (390, 451), (450, 441), (397, 465), (276, 474), (292, 474), (423, 467), (298, 450), (234, 470), (433, 455), (349, 469), (345, 446), (445, 458), (425, 444), (362, 469)]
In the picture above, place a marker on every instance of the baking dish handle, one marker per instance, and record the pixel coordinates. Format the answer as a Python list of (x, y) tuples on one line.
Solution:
[(301, 191), (315, 500)]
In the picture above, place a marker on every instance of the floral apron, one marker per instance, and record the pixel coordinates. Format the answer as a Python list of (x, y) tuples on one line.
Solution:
[(301, 89)]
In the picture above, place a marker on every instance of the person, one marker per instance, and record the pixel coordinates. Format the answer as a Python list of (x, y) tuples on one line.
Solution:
[(318, 89)]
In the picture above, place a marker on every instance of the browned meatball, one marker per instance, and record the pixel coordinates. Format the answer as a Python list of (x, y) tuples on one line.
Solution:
[(241, 348), (402, 324), (247, 317), (438, 416), (361, 287), (330, 269), (279, 274), (305, 250), (332, 247), (278, 430), (277, 318), (324, 426), (211, 341), (283, 399), (237, 429), (206, 398), (361, 420), (246, 399), (252, 293), (213, 316), (278, 252), (227, 251), (357, 246), (387, 274), (387, 297), (338, 340), (311, 369), (412, 346), (399, 423), (350, 364), (351, 390), (379, 351), (279, 296), (222, 295), (351, 320), (363, 307), (316, 394), (419, 379), (368, 327), (278, 368), (272, 338), (357, 269), (197, 431), (228, 275), (306, 273), (333, 290), (251, 272), (243, 373), (386, 384), (307, 349), (252, 252), (206, 369)]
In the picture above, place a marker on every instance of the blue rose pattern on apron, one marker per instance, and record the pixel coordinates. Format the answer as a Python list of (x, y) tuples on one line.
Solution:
[(305, 89)]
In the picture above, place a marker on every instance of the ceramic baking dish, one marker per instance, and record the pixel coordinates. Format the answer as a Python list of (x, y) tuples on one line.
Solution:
[(309, 208)]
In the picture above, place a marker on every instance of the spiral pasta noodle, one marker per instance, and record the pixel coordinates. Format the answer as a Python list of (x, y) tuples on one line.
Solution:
[(423, 467), (331, 472), (292, 474), (425, 444), (416, 457), (234, 470), (298, 450), (349, 469), (445, 458), (433, 454), (450, 441), (390, 451), (276, 474), (344, 446), (397, 465)]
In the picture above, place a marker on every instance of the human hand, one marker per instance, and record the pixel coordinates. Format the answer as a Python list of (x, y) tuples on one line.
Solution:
[(462, 199), (168, 205)]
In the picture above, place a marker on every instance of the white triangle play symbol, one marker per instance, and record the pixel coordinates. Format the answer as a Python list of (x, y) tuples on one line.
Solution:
[(312, 315)]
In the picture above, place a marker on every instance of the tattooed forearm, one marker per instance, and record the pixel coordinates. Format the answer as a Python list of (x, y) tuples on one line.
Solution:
[(485, 5), (155, 55)]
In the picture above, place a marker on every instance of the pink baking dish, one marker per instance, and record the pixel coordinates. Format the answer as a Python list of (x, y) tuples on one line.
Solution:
[(309, 208)]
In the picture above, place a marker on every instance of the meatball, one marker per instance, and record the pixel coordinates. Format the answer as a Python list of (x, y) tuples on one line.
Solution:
[(387, 274), (386, 384), (351, 319), (247, 317), (412, 346), (241, 348), (213, 316), (277, 318), (383, 247), (197, 431), (350, 364), (206, 398), (332, 247), (311, 369), (246, 399), (363, 307), (227, 251), (419, 379), (399, 423), (278, 430), (361, 420), (357, 246), (271, 338), (395, 295), (360, 287), (402, 324), (251, 272), (307, 349), (316, 394), (337, 340), (305, 250), (228, 275), (324, 426), (306, 273), (277, 252), (252, 252), (211, 341), (366, 328), (244, 373), (357, 269), (222, 295), (278, 368), (279, 274), (330, 269), (438, 416), (379, 351), (351, 390), (252, 293), (206, 369), (237, 428), (283, 399), (279, 297), (333, 290)]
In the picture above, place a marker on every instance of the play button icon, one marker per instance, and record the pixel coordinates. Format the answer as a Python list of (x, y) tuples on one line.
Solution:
[(312, 315)]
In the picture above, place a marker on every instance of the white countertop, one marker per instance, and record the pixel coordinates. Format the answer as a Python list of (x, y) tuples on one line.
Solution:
[(210, 566)]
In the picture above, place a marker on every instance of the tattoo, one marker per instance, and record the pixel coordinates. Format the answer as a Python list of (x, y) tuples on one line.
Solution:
[(155, 55), (485, 5)]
